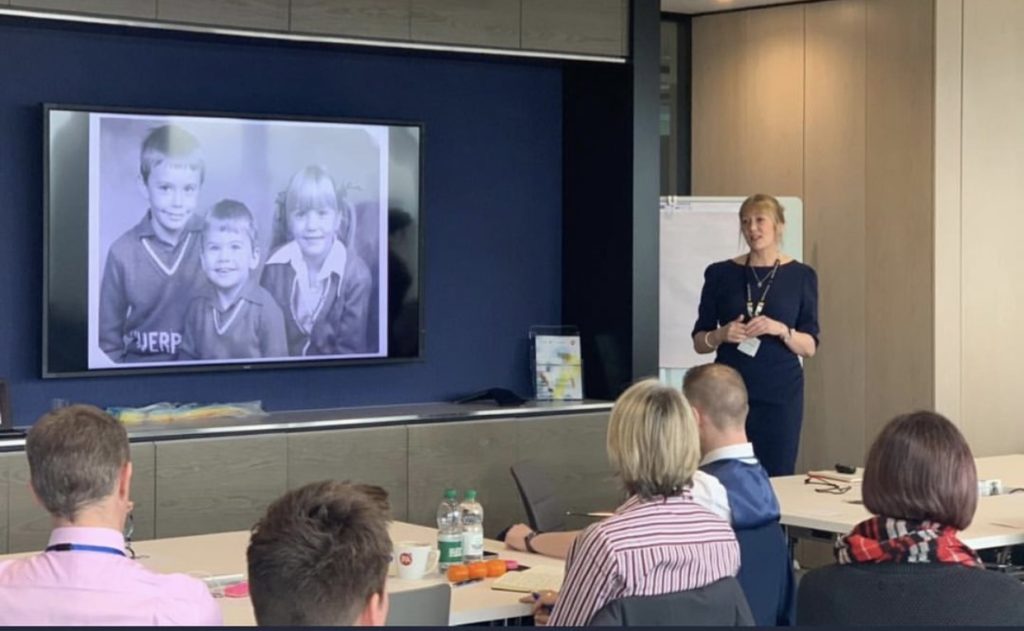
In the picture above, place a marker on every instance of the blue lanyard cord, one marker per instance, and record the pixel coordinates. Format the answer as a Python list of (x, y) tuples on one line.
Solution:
[(82, 547)]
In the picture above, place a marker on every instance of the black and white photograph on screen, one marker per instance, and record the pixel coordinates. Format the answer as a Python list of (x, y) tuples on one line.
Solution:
[(224, 240)]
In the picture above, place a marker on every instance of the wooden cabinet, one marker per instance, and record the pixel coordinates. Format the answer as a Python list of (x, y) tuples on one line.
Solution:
[(203, 485), (208, 485), (464, 455), (384, 19), (594, 27), (377, 455), (270, 15), (489, 23), (578, 27), (144, 490), (138, 9), (28, 524), (572, 451)]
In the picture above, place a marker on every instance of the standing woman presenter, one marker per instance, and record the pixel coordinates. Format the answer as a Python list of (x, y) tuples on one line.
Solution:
[(759, 313)]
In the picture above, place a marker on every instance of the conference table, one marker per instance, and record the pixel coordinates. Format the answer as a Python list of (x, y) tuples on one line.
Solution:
[(998, 521), (223, 555)]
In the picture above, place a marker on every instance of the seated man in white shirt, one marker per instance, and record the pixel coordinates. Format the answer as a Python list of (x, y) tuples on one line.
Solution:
[(719, 398), (81, 473)]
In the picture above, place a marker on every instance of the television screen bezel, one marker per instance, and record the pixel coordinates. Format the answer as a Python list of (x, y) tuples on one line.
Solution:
[(239, 366)]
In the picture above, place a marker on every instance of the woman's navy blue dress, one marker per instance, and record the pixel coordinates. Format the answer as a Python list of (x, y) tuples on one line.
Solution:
[(774, 377)]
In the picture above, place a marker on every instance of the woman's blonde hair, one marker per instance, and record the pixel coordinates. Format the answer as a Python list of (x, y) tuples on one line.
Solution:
[(652, 439)]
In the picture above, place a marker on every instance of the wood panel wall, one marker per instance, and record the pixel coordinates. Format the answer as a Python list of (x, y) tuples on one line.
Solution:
[(831, 102), (835, 228), (900, 228), (948, 224), (991, 221), (748, 96)]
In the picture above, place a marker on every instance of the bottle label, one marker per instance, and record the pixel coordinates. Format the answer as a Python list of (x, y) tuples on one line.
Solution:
[(449, 550), (473, 544)]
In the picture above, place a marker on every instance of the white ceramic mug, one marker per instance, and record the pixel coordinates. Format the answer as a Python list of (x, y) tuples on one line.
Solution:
[(415, 559)]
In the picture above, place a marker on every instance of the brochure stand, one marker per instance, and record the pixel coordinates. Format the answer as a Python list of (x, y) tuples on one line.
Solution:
[(557, 363)]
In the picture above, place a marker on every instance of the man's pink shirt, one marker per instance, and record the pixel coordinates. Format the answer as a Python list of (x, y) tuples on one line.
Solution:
[(79, 587)]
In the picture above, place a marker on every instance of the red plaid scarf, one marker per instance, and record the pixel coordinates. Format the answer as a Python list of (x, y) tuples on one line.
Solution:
[(884, 540)]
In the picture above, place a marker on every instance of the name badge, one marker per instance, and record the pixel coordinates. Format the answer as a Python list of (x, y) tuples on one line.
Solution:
[(749, 346)]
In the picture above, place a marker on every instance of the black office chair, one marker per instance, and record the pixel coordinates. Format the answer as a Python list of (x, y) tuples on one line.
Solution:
[(545, 511), (766, 575), (720, 604)]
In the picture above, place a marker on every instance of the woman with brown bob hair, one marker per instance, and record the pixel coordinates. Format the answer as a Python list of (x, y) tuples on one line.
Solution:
[(906, 564)]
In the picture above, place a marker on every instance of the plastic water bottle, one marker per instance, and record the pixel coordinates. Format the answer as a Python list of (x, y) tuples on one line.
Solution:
[(449, 531), (472, 528)]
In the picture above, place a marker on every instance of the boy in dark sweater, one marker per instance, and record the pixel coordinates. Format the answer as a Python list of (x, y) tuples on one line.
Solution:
[(233, 317), (152, 270)]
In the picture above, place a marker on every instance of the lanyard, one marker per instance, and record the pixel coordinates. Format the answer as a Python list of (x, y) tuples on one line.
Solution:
[(82, 547), (752, 311)]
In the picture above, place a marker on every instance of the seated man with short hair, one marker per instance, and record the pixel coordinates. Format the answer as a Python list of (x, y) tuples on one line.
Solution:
[(81, 472), (719, 399), (320, 557)]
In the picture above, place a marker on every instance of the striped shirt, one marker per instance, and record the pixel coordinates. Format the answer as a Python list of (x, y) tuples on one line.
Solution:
[(647, 548)]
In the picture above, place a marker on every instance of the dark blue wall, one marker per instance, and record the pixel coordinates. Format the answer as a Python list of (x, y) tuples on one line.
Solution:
[(492, 198)]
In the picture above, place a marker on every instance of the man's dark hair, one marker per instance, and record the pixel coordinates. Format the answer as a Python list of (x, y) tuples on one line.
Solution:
[(920, 468), (317, 556), (75, 455)]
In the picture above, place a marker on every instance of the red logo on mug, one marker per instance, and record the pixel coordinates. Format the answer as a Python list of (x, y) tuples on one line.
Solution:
[(405, 558)]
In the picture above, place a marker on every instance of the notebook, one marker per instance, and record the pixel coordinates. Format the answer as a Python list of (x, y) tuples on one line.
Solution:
[(535, 579)]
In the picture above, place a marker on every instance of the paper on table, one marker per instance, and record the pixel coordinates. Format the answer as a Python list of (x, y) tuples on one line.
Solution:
[(535, 579)]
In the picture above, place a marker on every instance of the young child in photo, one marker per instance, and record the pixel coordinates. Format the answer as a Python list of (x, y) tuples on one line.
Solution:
[(321, 284), (153, 268), (233, 317)]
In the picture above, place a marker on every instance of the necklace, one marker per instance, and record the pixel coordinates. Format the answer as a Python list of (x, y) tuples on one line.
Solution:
[(760, 281)]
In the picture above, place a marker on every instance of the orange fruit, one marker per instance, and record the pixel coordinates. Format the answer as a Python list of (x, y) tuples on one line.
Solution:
[(496, 567), (478, 570), (458, 573)]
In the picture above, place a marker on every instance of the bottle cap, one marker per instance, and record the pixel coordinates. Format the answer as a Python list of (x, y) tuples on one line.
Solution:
[(471, 495), (450, 494)]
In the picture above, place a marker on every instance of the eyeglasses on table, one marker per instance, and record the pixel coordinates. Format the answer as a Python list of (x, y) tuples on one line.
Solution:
[(827, 486)]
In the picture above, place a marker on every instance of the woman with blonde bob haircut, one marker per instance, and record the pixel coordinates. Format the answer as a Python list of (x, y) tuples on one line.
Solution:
[(660, 541), (652, 440), (906, 565)]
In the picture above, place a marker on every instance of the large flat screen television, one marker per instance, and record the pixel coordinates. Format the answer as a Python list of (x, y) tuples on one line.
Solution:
[(183, 241)]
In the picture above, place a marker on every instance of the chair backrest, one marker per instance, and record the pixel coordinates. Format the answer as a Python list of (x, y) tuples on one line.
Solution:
[(720, 604), (544, 509), (766, 574), (424, 607)]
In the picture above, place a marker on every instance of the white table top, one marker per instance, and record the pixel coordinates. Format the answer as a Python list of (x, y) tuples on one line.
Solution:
[(224, 554), (998, 522)]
